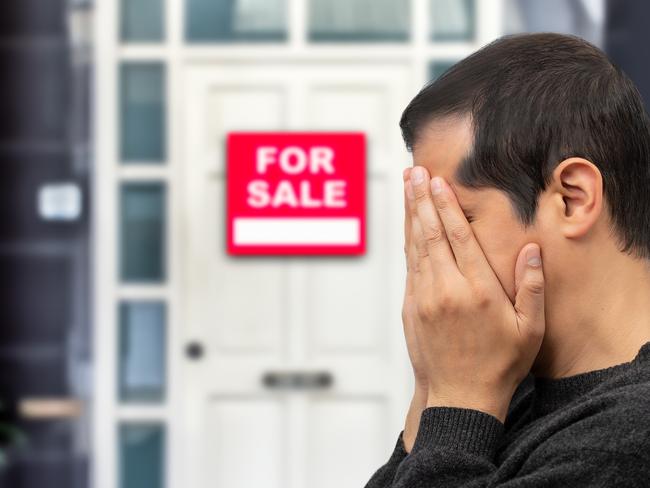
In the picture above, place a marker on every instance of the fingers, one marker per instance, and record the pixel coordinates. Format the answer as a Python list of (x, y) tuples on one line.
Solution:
[(469, 256), (407, 215), (409, 247), (529, 288), (422, 280), (427, 231)]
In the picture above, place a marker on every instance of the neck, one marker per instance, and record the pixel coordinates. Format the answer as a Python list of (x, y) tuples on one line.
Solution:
[(601, 322)]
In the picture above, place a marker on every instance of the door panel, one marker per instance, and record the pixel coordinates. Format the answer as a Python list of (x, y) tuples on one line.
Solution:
[(331, 308), (219, 302), (363, 106), (230, 108), (335, 430), (246, 435)]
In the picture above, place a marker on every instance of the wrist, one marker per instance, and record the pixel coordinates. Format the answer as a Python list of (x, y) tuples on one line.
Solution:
[(418, 404), (421, 390), (467, 430)]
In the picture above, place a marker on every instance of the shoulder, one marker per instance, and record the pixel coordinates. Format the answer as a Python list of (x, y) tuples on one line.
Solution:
[(607, 437), (587, 466), (615, 420)]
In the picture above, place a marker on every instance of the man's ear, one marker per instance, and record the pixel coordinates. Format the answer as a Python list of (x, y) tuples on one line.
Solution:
[(578, 185)]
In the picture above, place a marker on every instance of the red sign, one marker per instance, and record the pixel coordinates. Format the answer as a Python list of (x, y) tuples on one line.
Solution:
[(296, 193)]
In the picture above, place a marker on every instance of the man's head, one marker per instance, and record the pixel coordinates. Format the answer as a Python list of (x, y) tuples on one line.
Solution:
[(543, 140)]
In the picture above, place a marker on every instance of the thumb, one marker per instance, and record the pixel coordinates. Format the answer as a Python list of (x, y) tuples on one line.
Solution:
[(529, 291)]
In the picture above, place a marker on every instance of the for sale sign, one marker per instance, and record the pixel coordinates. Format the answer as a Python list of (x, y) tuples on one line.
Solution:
[(296, 193)]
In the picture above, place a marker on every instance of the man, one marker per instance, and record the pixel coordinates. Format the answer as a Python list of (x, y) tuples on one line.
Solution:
[(527, 303)]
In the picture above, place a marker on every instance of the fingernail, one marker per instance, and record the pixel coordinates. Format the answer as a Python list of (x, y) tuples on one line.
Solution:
[(436, 185), (533, 257), (417, 175)]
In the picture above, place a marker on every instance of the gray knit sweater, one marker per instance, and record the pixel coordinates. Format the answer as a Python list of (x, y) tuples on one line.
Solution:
[(590, 429)]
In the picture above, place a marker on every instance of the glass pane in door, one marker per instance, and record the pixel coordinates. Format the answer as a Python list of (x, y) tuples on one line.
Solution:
[(235, 20), (141, 20), (453, 20), (359, 20), (142, 368), (142, 455), (142, 112), (437, 68), (142, 232)]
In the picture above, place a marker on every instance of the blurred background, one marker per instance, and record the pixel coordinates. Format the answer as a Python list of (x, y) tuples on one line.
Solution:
[(133, 349)]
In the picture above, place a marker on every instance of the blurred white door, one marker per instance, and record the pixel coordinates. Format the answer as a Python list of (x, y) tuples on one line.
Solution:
[(317, 320)]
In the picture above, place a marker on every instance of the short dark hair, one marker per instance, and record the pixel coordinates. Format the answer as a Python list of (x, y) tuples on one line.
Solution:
[(535, 100)]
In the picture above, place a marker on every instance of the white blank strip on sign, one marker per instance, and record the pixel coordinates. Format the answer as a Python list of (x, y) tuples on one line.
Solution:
[(296, 231)]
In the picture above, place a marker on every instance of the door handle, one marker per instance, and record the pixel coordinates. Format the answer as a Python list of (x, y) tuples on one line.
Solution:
[(194, 350), (297, 380)]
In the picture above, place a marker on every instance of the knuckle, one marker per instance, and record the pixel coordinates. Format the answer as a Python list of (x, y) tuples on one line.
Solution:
[(442, 202), (434, 234), (420, 193), (460, 234), (536, 286), (482, 297), (412, 267), (422, 250), (426, 309), (446, 304)]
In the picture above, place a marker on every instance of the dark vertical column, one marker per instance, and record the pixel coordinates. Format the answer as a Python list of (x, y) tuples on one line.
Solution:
[(44, 265), (627, 40)]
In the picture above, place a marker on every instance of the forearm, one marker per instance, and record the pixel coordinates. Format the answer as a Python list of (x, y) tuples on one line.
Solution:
[(454, 447)]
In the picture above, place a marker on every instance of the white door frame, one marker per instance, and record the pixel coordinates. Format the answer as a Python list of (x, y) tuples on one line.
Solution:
[(107, 412)]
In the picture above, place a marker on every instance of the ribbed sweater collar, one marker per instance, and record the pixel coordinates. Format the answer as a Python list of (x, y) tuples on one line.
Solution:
[(551, 394)]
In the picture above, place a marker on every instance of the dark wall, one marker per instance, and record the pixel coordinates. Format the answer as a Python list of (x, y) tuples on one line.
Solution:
[(44, 292), (627, 41)]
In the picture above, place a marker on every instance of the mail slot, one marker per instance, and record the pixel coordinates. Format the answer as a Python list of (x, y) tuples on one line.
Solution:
[(297, 380)]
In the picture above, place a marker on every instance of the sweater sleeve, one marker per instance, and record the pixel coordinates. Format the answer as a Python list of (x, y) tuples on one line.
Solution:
[(383, 477), (456, 447)]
